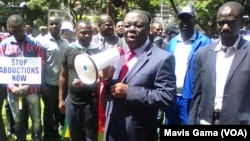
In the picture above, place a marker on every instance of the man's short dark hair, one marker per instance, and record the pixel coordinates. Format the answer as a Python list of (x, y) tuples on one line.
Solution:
[(15, 19)]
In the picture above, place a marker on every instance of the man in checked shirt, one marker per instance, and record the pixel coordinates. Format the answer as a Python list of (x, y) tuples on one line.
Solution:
[(23, 97)]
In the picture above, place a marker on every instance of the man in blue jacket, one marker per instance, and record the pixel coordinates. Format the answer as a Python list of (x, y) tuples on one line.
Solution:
[(184, 47)]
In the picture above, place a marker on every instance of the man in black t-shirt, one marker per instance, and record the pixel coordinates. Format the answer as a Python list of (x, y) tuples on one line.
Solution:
[(80, 105)]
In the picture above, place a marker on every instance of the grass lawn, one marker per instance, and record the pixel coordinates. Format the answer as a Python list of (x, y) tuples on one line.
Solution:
[(29, 133), (30, 124)]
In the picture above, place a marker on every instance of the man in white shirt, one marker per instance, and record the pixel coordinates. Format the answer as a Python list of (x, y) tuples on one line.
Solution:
[(222, 74), (184, 47)]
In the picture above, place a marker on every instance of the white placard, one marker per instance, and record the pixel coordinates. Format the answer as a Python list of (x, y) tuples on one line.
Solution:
[(20, 70)]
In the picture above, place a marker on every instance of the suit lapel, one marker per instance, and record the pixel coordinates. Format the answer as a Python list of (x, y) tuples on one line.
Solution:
[(211, 60), (239, 56), (210, 65), (142, 60)]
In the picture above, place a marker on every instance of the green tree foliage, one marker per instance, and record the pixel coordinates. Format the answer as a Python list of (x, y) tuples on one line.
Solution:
[(34, 11), (151, 6), (37, 10), (81, 8), (206, 12)]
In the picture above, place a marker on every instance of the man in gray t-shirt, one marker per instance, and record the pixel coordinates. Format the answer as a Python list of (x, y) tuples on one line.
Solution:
[(54, 46)]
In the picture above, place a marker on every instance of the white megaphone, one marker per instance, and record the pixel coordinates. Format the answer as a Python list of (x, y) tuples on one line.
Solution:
[(88, 66)]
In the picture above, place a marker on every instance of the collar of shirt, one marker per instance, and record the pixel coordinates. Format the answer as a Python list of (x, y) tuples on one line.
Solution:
[(78, 45), (100, 37), (220, 46), (53, 39), (192, 38), (141, 49), (14, 41)]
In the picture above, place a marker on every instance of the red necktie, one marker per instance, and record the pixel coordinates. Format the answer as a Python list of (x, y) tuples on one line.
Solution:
[(124, 68)]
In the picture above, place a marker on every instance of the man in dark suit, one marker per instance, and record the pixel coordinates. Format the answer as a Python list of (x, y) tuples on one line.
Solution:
[(106, 38), (149, 84), (222, 74)]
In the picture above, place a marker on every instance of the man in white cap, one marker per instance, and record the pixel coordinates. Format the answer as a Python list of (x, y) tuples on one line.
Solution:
[(184, 47), (67, 31)]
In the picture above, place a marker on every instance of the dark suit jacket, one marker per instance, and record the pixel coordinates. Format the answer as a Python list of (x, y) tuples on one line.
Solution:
[(151, 85), (236, 100), (3, 91), (110, 41)]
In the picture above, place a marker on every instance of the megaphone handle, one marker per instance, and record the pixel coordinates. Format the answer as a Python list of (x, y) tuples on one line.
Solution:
[(111, 82)]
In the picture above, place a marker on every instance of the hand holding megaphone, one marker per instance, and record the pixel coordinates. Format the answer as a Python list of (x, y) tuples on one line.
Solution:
[(107, 73), (119, 90), (77, 83), (90, 68)]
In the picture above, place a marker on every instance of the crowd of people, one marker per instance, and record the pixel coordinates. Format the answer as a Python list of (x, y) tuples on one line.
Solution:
[(179, 75)]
